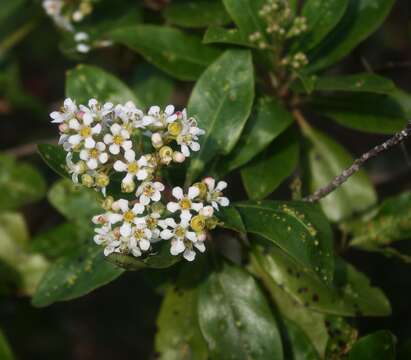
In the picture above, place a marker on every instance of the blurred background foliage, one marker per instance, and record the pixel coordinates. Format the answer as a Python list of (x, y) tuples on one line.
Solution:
[(118, 321)]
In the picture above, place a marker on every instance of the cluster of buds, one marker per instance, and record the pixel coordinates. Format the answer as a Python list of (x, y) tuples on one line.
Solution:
[(296, 61), (103, 140), (66, 14)]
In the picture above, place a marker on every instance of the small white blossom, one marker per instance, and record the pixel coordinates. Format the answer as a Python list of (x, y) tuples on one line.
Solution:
[(68, 112), (140, 238), (130, 114), (95, 156), (149, 191), (188, 137), (214, 193), (119, 138), (75, 169), (134, 168), (157, 118), (122, 213), (84, 131), (185, 202)]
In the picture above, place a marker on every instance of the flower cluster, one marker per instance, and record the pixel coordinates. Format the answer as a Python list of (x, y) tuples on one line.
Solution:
[(104, 141), (281, 25)]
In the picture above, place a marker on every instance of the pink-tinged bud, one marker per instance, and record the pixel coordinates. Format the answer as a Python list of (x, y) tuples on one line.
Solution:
[(207, 211), (202, 236), (80, 115), (209, 181), (179, 114), (63, 128), (178, 157)]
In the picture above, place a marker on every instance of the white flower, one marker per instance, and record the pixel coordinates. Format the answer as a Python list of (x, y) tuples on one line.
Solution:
[(134, 168), (119, 138), (188, 137), (122, 213), (96, 111), (152, 222), (83, 48), (81, 36), (185, 202), (68, 112), (95, 156), (157, 118), (214, 193), (85, 131), (105, 236), (140, 238), (150, 191), (182, 239), (75, 169), (130, 114)]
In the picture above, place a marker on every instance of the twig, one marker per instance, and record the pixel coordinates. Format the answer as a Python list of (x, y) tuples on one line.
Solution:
[(27, 149), (397, 139)]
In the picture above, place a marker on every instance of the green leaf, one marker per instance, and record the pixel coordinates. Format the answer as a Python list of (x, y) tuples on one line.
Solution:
[(219, 35), (235, 318), (298, 228), (5, 351), (176, 53), (58, 241), (360, 20), (20, 183), (159, 258), (55, 157), (327, 159), (245, 14), (391, 222), (310, 322), (268, 121), (299, 345), (322, 17), (377, 113), (86, 82), (377, 346), (179, 336), (196, 13), (75, 275), (231, 219), (364, 82), (266, 172), (350, 295), (75, 202), (221, 101)]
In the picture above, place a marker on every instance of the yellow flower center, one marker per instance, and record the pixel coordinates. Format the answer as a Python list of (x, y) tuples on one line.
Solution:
[(187, 139), (185, 204), (85, 132), (139, 234), (128, 216), (94, 153), (198, 223), (175, 128), (133, 168), (118, 139), (166, 152), (180, 231), (151, 223), (149, 190)]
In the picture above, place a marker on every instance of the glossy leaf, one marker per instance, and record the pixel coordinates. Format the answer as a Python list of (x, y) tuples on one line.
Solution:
[(179, 336), (75, 202), (235, 318), (20, 184), (377, 113), (299, 345), (269, 119), (75, 275), (298, 228), (322, 17), (55, 157), (221, 101), (196, 13), (231, 219), (350, 295), (266, 172), (5, 350), (364, 82), (86, 82), (391, 222), (159, 258), (245, 14), (219, 35), (377, 346), (176, 53), (360, 20), (327, 159)]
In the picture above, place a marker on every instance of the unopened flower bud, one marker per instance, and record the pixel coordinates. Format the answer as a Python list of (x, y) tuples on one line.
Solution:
[(128, 187), (102, 180), (178, 157), (166, 154), (63, 128), (107, 203), (157, 140), (87, 180), (207, 211), (158, 207)]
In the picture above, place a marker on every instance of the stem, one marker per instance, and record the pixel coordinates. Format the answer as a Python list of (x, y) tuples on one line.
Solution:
[(397, 139), (27, 149)]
